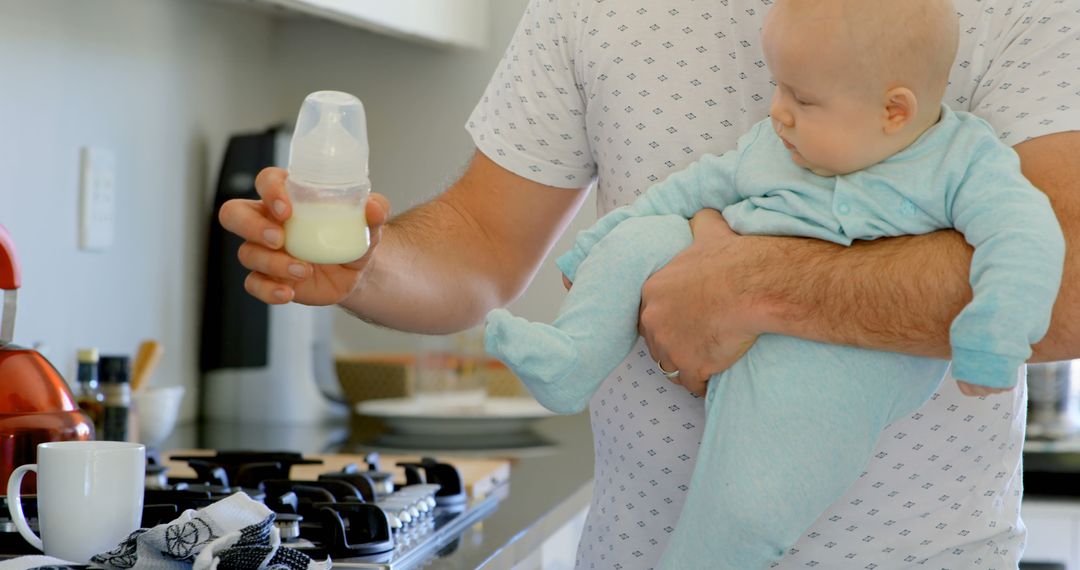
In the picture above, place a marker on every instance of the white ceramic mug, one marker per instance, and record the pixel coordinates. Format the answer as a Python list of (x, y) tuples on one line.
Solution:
[(90, 496)]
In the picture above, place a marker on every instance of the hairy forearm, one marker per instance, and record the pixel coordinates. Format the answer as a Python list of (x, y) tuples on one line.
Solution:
[(432, 273), (441, 266), (896, 294), (901, 294)]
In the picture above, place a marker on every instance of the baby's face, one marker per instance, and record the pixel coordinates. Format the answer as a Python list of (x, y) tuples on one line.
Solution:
[(829, 123)]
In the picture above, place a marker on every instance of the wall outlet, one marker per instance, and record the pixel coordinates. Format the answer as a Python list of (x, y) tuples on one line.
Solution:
[(97, 198)]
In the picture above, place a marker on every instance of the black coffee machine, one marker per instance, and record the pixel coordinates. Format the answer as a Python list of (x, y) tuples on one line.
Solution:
[(260, 364)]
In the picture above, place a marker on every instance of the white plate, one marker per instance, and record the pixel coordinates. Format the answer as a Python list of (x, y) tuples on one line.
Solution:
[(523, 443), (493, 415)]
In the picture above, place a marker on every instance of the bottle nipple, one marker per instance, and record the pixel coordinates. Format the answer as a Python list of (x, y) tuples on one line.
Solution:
[(329, 143)]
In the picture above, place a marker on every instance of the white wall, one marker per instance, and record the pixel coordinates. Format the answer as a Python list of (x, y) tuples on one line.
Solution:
[(417, 99), (162, 84)]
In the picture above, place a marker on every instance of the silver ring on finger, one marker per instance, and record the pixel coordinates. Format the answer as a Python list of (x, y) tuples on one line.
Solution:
[(670, 375)]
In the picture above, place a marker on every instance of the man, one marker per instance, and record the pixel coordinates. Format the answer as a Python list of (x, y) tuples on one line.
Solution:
[(629, 92)]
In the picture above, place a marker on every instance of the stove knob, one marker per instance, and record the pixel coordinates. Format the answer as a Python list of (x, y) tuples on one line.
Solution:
[(408, 506), (396, 510), (421, 493), (288, 525), (414, 502), (424, 502), (413, 509), (395, 522), (156, 476)]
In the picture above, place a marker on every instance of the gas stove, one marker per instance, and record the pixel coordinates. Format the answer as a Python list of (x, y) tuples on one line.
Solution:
[(359, 517)]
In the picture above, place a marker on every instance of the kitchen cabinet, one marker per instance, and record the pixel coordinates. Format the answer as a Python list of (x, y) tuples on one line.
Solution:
[(559, 550), (447, 23), (1053, 531), (1051, 507)]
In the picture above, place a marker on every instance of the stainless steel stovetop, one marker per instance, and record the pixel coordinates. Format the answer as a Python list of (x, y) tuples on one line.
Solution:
[(434, 538), (340, 515)]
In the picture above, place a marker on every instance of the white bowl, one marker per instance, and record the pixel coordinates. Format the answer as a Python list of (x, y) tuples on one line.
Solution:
[(156, 411)]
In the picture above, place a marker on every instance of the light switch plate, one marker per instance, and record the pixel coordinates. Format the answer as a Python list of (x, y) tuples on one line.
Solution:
[(97, 198)]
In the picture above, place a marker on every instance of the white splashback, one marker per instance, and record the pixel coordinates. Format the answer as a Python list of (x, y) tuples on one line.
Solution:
[(161, 84)]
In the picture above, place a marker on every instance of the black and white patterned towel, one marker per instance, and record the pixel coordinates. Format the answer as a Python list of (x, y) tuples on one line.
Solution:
[(235, 533)]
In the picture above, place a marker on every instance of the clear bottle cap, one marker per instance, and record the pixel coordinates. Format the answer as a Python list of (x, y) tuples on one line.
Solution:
[(329, 143)]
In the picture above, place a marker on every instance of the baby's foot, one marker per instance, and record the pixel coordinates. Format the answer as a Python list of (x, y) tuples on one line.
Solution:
[(544, 357)]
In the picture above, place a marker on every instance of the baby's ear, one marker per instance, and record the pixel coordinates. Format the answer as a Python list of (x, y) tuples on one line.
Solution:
[(901, 107)]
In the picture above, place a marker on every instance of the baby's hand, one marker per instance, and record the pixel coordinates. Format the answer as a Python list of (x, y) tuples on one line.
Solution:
[(976, 390)]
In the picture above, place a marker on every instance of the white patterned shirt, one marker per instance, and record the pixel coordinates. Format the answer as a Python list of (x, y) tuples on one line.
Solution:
[(627, 92)]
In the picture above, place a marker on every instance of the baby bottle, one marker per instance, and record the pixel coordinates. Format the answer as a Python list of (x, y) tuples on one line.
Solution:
[(328, 180)]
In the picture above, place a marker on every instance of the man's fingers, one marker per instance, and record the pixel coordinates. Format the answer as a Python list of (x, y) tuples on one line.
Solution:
[(694, 382), (707, 220), (267, 290), (969, 389), (272, 263), (697, 387), (377, 212), (654, 352), (270, 184), (247, 219), (669, 370), (378, 209)]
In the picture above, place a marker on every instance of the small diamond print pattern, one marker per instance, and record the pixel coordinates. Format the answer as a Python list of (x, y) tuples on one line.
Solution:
[(629, 92)]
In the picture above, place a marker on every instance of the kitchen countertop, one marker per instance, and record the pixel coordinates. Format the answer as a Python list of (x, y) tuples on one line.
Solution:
[(550, 476)]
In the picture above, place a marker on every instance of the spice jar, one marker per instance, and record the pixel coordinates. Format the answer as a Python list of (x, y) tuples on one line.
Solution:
[(114, 372)]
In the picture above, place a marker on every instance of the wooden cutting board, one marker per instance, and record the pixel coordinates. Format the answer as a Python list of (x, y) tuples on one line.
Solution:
[(481, 476)]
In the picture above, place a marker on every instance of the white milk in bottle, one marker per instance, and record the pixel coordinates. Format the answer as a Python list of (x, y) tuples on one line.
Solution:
[(328, 180)]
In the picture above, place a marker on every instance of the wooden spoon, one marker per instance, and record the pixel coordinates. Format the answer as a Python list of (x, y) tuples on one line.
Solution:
[(146, 361)]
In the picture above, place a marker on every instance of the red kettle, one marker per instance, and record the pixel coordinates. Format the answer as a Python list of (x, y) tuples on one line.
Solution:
[(35, 403)]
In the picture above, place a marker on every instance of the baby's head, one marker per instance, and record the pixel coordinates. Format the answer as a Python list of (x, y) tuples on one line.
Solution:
[(857, 80)]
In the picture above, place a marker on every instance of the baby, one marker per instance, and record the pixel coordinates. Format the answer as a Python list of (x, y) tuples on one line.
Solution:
[(858, 146)]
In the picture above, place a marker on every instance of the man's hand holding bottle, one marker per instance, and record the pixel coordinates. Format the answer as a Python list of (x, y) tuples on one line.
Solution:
[(277, 277)]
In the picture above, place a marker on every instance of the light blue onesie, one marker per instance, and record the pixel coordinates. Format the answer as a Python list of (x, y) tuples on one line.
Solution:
[(826, 404)]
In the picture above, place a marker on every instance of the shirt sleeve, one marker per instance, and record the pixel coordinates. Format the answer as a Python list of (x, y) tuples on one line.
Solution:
[(1032, 85), (1015, 270), (531, 118)]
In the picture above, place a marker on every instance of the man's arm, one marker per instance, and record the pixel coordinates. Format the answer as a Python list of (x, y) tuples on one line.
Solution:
[(442, 265), (902, 294), (898, 294), (437, 268)]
